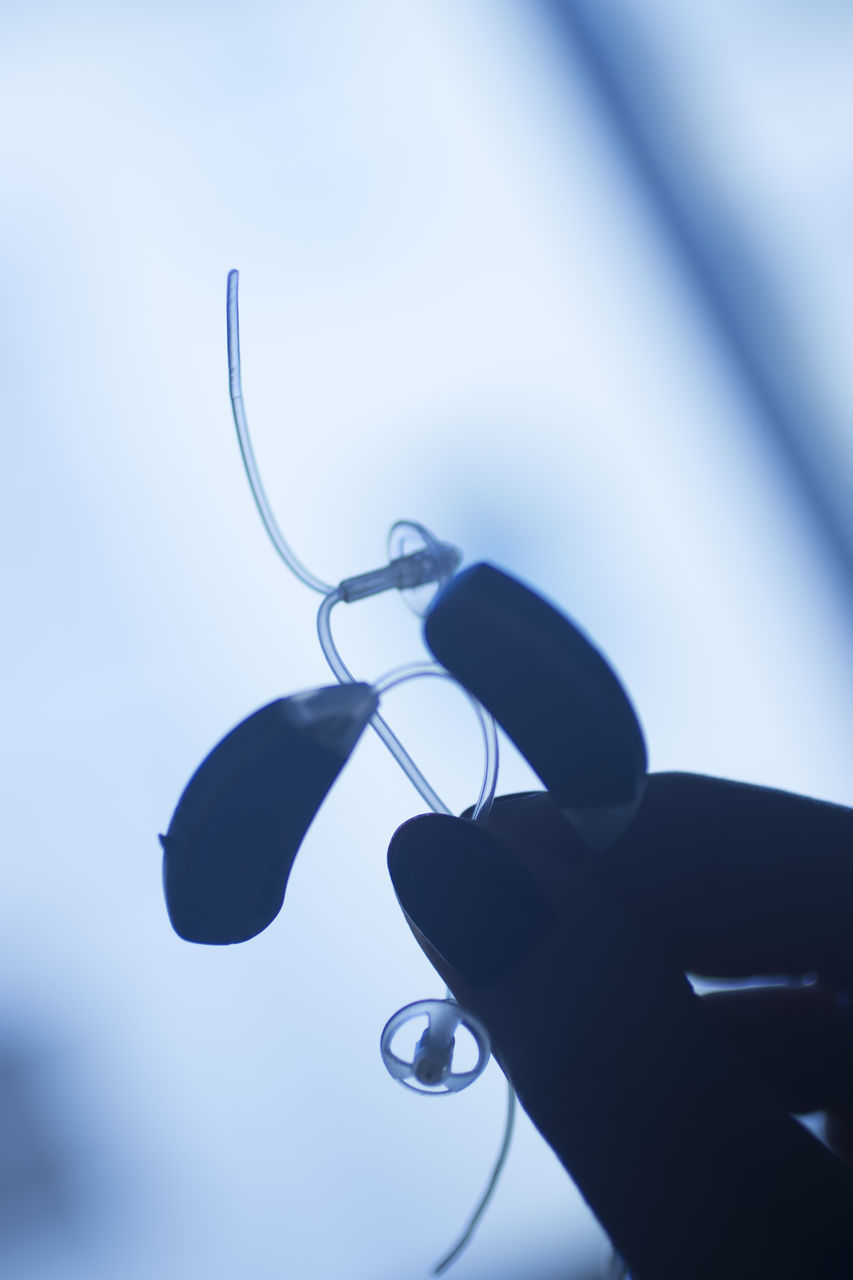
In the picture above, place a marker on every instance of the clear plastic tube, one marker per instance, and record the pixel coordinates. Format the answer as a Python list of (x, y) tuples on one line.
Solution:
[(488, 728), (390, 680), (386, 733), (384, 730), (235, 387), (331, 597), (464, 1240)]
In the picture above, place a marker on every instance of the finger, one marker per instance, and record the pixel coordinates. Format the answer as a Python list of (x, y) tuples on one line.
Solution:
[(734, 880), (687, 1162), (742, 879), (798, 1040)]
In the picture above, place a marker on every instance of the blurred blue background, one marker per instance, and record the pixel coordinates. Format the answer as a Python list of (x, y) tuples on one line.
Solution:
[(569, 283)]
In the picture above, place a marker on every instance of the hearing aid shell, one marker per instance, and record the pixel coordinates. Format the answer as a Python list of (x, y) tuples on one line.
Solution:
[(551, 690), (238, 826)]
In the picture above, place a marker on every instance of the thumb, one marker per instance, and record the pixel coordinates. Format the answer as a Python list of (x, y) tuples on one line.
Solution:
[(688, 1164)]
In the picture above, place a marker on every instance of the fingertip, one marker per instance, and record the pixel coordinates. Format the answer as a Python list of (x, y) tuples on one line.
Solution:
[(465, 893)]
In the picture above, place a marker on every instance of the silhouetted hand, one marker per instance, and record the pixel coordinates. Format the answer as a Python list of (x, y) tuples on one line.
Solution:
[(670, 1111)]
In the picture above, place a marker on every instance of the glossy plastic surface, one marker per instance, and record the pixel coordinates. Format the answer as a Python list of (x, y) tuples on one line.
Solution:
[(242, 817), (551, 690)]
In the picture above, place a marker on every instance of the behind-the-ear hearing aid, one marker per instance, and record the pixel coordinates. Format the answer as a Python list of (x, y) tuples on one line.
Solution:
[(551, 690), (241, 819), (239, 823)]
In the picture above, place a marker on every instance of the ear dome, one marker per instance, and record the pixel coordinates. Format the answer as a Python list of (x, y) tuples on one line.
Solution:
[(242, 817)]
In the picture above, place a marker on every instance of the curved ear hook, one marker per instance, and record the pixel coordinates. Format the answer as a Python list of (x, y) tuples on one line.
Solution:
[(241, 819)]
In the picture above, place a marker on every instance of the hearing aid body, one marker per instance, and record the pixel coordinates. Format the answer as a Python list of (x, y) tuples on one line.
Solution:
[(551, 690), (238, 826)]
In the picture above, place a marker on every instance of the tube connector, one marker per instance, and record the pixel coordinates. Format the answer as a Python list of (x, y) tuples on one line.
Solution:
[(433, 1058), (422, 567)]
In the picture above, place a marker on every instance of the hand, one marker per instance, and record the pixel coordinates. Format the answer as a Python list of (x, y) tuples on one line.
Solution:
[(671, 1112)]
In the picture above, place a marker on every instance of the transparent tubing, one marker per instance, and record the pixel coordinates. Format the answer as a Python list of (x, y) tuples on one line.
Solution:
[(412, 671), (465, 1239), (386, 733), (235, 386), (481, 810), (341, 671)]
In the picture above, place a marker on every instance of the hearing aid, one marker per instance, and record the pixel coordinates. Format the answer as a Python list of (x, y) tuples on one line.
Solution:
[(551, 690), (239, 823)]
